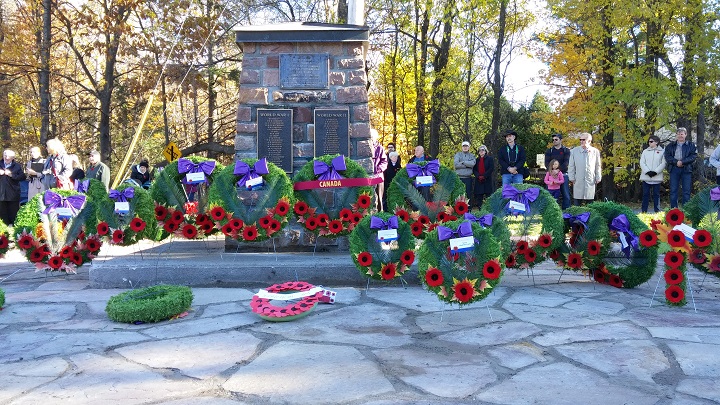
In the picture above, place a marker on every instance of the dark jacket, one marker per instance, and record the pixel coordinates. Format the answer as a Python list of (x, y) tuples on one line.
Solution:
[(99, 171), (505, 156), (427, 159), (562, 155), (391, 171), (10, 184), (139, 177), (689, 154), (486, 186)]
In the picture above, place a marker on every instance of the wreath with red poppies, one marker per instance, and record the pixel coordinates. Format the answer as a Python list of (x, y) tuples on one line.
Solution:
[(587, 243), (332, 212), (246, 211), (4, 239), (706, 254), (298, 305), (704, 202), (126, 228), (376, 257), (460, 277)]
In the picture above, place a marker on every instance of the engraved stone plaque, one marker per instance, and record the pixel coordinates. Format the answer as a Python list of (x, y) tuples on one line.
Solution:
[(304, 70), (274, 137), (332, 132)]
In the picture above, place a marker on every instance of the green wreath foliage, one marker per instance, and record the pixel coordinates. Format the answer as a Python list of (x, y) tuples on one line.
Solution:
[(167, 189), (4, 239), (344, 197), (224, 193), (2, 297), (700, 205), (710, 223), (402, 194), (434, 256), (364, 239), (151, 304), (500, 231), (141, 206), (597, 230), (641, 265)]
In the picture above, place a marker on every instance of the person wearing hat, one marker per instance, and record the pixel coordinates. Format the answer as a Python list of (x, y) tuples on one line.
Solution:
[(562, 154), (141, 174), (483, 171), (511, 160), (584, 170), (97, 169), (464, 163)]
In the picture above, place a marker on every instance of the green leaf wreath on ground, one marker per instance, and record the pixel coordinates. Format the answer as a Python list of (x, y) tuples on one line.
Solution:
[(152, 304), (382, 260)]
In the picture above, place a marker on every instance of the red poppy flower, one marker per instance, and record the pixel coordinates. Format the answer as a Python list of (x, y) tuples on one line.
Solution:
[(311, 223), (702, 238), (265, 222), (161, 212), (575, 261), (441, 216), (365, 259), (171, 226), (434, 277), (66, 252), (461, 207), (356, 217), (530, 256), (301, 208), (189, 231), (274, 227), (236, 223), (92, 245), (545, 240), (137, 224), (555, 254), (364, 201), (206, 227), (118, 236), (37, 255), (345, 214), (202, 218), (594, 247), (648, 238), (510, 262), (674, 294), (676, 238), (76, 258), (600, 276), (464, 291), (403, 215), (521, 247), (416, 228), (4, 242), (335, 226), (388, 271), (697, 256), (81, 235), (674, 259), (103, 228), (424, 219), (55, 262), (250, 232), (616, 281), (228, 229), (674, 217), (323, 220), (491, 270), (407, 257), (217, 213), (282, 208), (177, 216), (674, 276), (451, 218), (714, 264)]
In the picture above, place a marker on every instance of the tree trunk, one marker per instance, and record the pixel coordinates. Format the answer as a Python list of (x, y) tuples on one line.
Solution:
[(44, 73), (105, 96), (497, 82), (212, 95), (420, 75), (606, 132), (438, 94)]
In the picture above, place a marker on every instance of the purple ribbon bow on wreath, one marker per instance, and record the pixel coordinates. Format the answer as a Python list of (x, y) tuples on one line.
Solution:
[(54, 200), (715, 196), (82, 186), (248, 173), (464, 229), (379, 223), (628, 239), (330, 171), (187, 166), (524, 197), (577, 220), (430, 169), (485, 221), (122, 196)]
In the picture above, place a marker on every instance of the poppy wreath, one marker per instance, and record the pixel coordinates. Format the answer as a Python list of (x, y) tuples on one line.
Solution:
[(498, 227), (588, 240), (460, 277), (535, 234), (250, 215), (349, 204), (382, 260), (52, 244), (706, 201), (128, 228), (706, 254), (300, 305), (430, 205), (168, 191), (4, 239), (151, 304), (627, 272)]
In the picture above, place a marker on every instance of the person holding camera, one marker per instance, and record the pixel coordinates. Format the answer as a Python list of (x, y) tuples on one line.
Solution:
[(511, 160), (652, 164)]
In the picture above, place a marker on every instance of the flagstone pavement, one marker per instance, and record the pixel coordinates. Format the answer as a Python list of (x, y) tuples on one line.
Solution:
[(537, 339)]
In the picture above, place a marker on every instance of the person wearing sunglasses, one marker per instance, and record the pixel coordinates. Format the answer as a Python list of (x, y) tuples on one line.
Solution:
[(680, 155), (652, 164), (560, 153), (584, 170)]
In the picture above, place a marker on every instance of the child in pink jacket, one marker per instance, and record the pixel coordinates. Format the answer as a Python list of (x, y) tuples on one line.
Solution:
[(554, 178)]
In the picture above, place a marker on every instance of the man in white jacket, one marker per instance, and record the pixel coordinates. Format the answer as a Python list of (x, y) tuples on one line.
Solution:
[(715, 161), (584, 170), (652, 164)]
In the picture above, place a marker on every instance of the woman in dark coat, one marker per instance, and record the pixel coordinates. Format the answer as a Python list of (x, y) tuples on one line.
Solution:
[(393, 167), (483, 171), (11, 173)]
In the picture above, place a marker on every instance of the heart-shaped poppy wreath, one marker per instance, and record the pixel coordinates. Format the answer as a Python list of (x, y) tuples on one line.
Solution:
[(302, 298), (428, 205), (379, 259), (54, 244), (461, 277), (151, 304), (342, 180), (247, 209), (129, 227)]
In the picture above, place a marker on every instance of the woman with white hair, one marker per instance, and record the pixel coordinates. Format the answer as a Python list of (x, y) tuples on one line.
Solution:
[(483, 171), (11, 173), (58, 167)]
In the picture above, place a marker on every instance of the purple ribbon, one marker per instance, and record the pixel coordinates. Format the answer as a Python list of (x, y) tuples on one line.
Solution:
[(579, 219), (464, 229), (122, 196), (248, 173), (485, 221), (715, 196), (187, 166), (432, 167), (379, 223), (326, 171), (622, 225), (523, 197), (54, 200), (82, 186)]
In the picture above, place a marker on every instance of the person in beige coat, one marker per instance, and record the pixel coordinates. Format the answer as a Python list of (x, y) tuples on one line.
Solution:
[(584, 170), (652, 164)]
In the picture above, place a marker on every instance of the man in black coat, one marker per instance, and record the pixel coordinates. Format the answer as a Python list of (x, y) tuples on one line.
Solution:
[(562, 154), (11, 173)]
